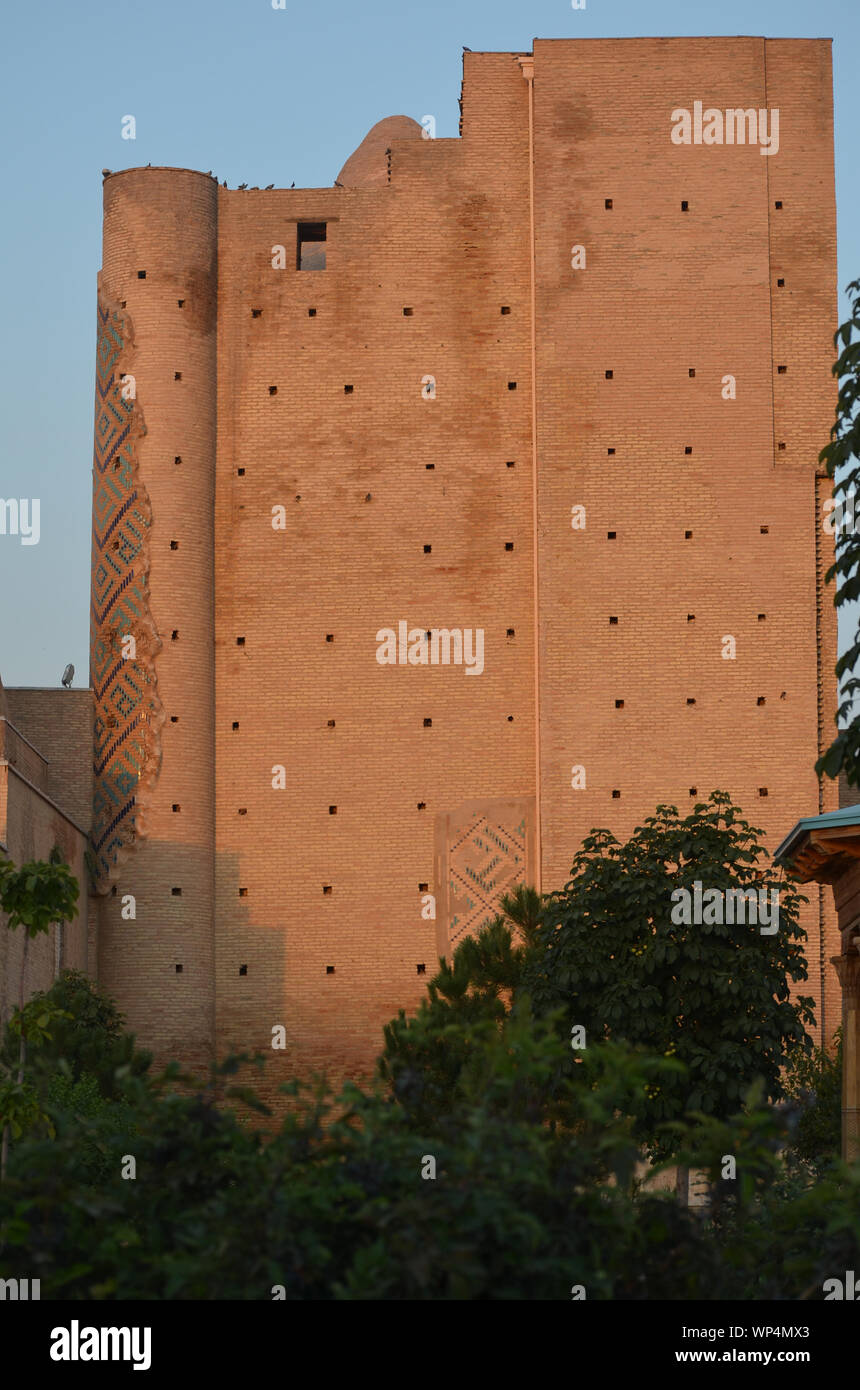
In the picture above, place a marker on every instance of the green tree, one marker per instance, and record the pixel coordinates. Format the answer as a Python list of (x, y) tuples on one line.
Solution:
[(424, 1056), (352, 1199), (33, 897), (715, 996), (813, 1085), (89, 1035)]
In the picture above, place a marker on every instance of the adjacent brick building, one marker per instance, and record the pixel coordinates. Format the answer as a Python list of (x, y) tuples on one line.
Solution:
[(562, 382), (45, 802)]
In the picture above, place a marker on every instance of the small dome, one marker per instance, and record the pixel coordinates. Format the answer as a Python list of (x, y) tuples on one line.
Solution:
[(367, 167)]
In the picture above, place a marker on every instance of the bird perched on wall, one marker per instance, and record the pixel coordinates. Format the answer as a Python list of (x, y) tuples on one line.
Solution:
[(268, 186), (68, 676), (293, 184), (209, 172), (338, 185), (105, 173), (243, 185)]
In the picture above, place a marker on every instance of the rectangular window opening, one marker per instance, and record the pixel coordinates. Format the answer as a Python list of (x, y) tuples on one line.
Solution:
[(310, 245)]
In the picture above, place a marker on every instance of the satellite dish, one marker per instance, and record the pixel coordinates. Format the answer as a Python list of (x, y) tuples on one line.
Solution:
[(68, 676)]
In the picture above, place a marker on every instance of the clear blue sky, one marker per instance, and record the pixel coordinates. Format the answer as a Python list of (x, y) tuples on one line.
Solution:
[(258, 96)]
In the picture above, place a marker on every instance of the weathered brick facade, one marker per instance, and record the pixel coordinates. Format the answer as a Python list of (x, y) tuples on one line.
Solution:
[(45, 798), (560, 379)]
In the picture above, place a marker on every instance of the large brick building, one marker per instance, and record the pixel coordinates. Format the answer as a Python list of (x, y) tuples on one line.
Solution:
[(556, 387)]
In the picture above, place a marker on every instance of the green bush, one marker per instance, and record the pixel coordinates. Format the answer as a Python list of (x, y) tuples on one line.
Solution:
[(91, 1038), (813, 1085)]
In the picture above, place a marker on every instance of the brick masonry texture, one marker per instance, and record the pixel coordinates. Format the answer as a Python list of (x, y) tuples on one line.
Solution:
[(45, 796), (241, 370)]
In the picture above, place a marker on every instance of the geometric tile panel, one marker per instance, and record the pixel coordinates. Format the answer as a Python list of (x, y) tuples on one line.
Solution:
[(483, 851), (126, 748)]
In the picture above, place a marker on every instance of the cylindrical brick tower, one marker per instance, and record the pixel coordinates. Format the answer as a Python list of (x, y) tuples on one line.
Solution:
[(152, 650)]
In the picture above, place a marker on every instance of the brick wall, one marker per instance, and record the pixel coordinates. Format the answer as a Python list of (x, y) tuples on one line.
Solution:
[(369, 477), (60, 725), (40, 798), (159, 270), (667, 293)]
